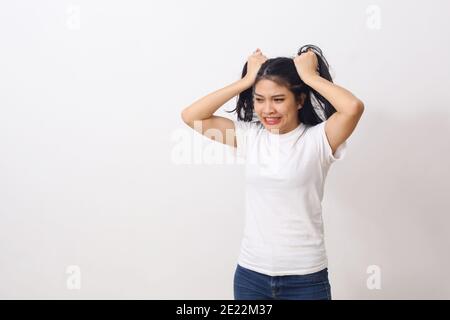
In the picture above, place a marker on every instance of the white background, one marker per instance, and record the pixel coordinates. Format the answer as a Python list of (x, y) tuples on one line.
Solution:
[(90, 100)]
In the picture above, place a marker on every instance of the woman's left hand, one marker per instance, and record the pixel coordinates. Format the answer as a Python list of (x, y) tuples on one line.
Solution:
[(306, 65)]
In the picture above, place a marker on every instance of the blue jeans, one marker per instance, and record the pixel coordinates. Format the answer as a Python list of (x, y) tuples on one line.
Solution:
[(252, 285)]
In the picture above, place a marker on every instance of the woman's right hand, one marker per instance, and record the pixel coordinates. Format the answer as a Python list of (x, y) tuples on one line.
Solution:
[(254, 62)]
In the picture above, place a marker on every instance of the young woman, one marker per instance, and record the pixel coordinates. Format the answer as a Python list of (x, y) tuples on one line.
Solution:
[(292, 124)]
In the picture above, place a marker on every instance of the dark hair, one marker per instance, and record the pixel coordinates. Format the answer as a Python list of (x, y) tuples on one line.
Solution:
[(282, 71)]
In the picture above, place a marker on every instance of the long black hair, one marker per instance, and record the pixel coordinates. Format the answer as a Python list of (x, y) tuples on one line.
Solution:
[(282, 71)]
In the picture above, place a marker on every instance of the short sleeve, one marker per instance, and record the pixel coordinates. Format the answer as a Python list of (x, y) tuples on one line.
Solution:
[(244, 130), (326, 153)]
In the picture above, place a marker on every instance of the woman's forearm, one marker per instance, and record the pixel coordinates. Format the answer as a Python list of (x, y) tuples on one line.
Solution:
[(341, 99), (205, 107)]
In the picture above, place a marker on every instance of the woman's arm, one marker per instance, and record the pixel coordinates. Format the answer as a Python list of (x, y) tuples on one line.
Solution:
[(341, 99), (200, 115), (205, 107), (341, 124)]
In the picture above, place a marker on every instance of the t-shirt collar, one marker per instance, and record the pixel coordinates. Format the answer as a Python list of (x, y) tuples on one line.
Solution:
[(294, 132)]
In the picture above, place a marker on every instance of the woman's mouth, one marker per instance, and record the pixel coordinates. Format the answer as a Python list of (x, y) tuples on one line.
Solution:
[(272, 120)]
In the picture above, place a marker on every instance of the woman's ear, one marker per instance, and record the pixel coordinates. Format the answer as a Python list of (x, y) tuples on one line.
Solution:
[(301, 100)]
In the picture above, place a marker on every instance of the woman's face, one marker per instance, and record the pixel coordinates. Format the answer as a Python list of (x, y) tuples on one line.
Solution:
[(276, 107)]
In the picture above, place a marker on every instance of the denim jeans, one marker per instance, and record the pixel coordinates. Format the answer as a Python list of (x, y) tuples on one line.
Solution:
[(252, 285)]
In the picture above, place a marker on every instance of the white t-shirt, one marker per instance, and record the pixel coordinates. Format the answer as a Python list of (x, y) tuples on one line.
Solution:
[(285, 176)]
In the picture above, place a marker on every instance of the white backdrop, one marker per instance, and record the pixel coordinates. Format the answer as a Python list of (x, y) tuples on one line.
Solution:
[(100, 196)]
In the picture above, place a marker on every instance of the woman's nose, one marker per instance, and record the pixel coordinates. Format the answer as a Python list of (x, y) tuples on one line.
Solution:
[(267, 108)]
